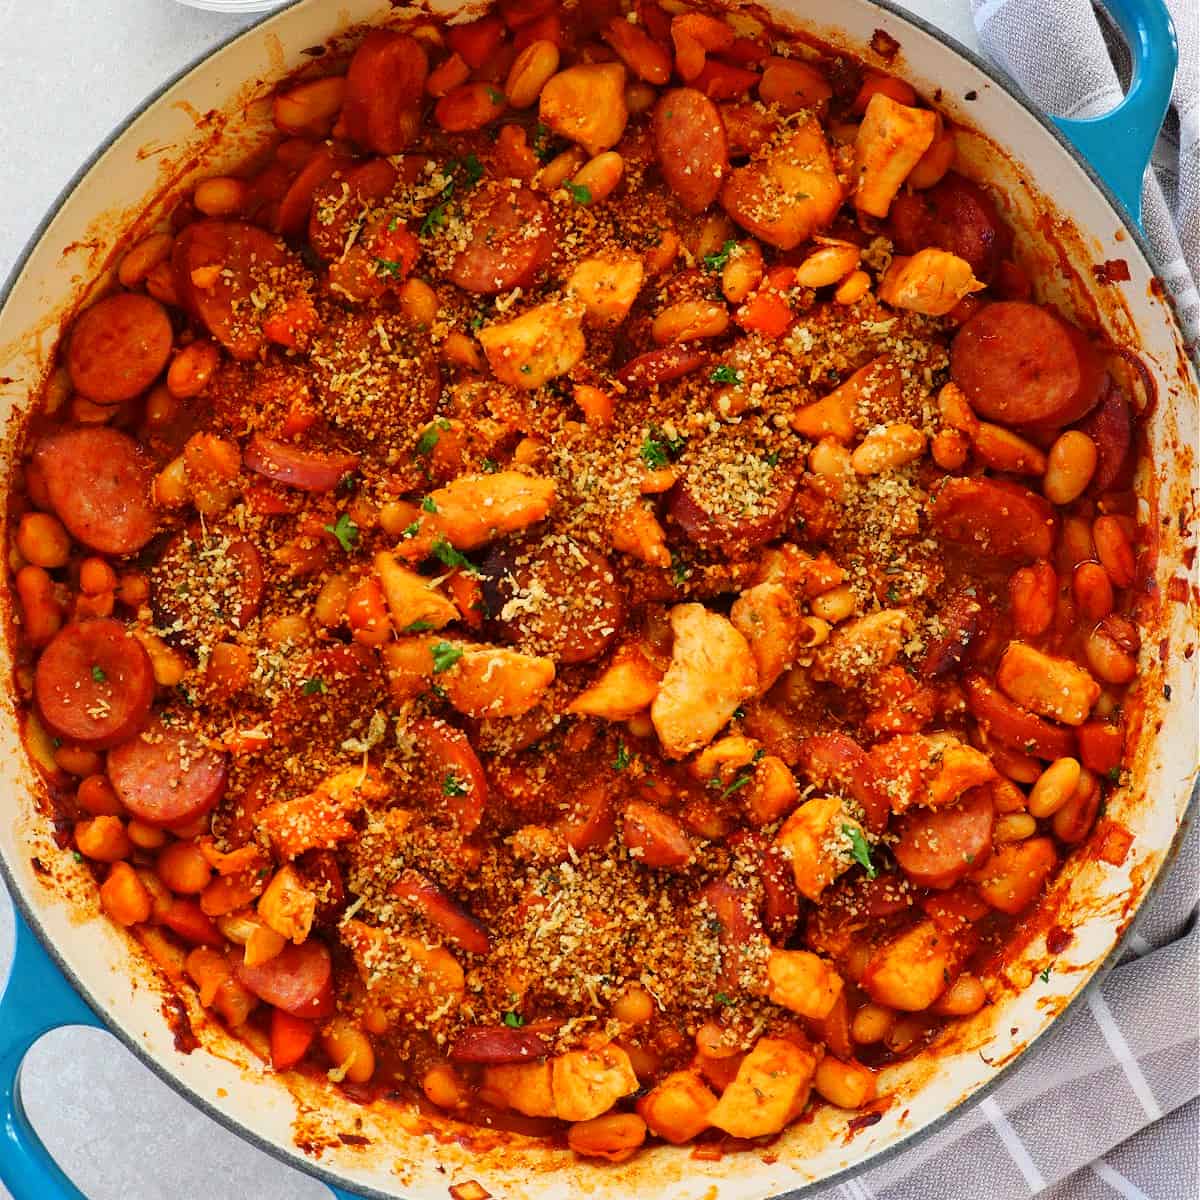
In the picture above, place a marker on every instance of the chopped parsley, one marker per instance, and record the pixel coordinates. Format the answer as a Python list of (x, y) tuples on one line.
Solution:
[(716, 262), (467, 171), (725, 374), (496, 97), (739, 781), (411, 530), (679, 570), (622, 760), (453, 786), (490, 466), (541, 143), (99, 675), (429, 439), (446, 553), (345, 531), (772, 459), (1044, 974), (76, 856), (313, 686), (725, 999), (477, 321), (658, 449), (429, 505), (514, 1020), (389, 266), (893, 595), (418, 627), (445, 656), (1114, 774), (860, 850), (579, 193)]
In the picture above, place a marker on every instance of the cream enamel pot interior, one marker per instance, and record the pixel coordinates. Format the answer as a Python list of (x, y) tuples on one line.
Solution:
[(169, 143)]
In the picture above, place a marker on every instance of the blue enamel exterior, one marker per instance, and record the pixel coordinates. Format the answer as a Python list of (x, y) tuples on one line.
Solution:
[(1119, 143), (38, 998)]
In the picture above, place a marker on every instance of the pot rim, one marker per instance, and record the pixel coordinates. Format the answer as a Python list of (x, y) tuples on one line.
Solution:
[(291, 1155)]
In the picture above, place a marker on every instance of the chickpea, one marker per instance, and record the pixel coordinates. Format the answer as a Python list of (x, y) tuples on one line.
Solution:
[(145, 837), (443, 1087), (963, 997), (827, 265), (1107, 659), (76, 760), (834, 605), (221, 196), (844, 1084), (143, 258), (871, 1024), (742, 272), (688, 320), (40, 611), (124, 897), (1115, 551), (634, 1006), (95, 795), (1013, 827), (350, 1050), (887, 448), (418, 301), (183, 868), (853, 288), (599, 177), (96, 576), (103, 839), (614, 1136), (43, 540)]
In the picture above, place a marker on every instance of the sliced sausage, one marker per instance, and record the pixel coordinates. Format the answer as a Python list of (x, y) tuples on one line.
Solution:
[(167, 775), (441, 911), (994, 517), (118, 347), (511, 235), (654, 838), (835, 762), (339, 203), (384, 89), (703, 506), (556, 598), (206, 582), (239, 258), (955, 215), (964, 618), (299, 979), (660, 366), (453, 771), (938, 848), (1022, 364), (689, 138), (502, 1044), (94, 684), (297, 201), (1016, 727), (99, 481), (308, 470), (1110, 426), (730, 906)]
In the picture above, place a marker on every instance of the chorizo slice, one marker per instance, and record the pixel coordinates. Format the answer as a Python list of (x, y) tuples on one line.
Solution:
[(218, 267), (556, 598), (1014, 726), (307, 470), (452, 770), (99, 481), (167, 775), (938, 847), (689, 138), (502, 1044), (384, 90), (654, 838), (94, 684), (702, 505), (298, 980), (656, 367), (955, 215), (963, 619), (339, 202), (994, 517), (118, 346), (297, 201), (441, 911), (511, 235), (835, 762), (1022, 364), (1110, 426)]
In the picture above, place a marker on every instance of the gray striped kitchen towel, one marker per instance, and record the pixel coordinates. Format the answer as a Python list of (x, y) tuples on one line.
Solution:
[(1071, 65)]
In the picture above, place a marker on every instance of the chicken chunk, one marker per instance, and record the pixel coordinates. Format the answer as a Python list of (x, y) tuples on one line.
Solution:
[(912, 970), (802, 982), (890, 142), (930, 769), (816, 838), (586, 1083), (287, 906), (524, 1087), (930, 282), (768, 617), (788, 191), (607, 287), (473, 510), (586, 103), (489, 681), (678, 1108), (771, 1088), (860, 649), (712, 671), (402, 971), (625, 687), (1049, 686), (411, 600), (539, 345)]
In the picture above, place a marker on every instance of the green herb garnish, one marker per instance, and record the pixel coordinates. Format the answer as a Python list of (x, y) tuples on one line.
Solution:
[(388, 266), (860, 850), (579, 192), (429, 439), (622, 760), (418, 627), (99, 675), (453, 786), (716, 262), (429, 505), (725, 999), (446, 553), (313, 686), (445, 656), (345, 531), (725, 374), (514, 1020), (1113, 774), (1044, 974)]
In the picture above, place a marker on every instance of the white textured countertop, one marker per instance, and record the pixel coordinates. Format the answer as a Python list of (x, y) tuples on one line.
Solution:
[(71, 72)]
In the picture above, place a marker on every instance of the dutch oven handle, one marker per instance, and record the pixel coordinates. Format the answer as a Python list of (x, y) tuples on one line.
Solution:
[(36, 1000), (1119, 143)]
